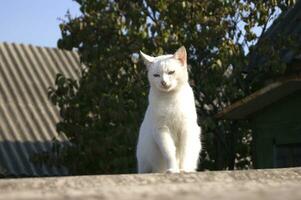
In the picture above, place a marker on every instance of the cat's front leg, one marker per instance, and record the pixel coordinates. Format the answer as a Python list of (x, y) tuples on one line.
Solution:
[(167, 147), (190, 147)]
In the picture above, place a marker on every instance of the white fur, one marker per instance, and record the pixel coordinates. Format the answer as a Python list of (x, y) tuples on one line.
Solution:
[(169, 137)]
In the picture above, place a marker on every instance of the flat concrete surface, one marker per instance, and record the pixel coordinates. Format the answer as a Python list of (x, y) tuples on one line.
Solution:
[(275, 184)]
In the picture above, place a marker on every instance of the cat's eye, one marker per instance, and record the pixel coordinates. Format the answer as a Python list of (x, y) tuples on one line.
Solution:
[(156, 75), (171, 72)]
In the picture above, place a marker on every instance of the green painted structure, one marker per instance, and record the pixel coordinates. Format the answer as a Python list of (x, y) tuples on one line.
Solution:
[(277, 133), (274, 111), (274, 115)]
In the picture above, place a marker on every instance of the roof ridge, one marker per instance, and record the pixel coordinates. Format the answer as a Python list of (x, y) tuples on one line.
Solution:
[(33, 45)]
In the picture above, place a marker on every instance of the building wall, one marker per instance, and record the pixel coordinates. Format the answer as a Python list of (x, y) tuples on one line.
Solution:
[(277, 133)]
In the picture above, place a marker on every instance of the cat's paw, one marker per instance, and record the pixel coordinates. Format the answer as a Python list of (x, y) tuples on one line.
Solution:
[(187, 170), (172, 171)]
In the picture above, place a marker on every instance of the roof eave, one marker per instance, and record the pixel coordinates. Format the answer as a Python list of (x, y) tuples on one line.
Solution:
[(260, 99)]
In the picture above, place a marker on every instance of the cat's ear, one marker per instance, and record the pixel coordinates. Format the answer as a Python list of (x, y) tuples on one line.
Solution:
[(181, 55), (148, 60)]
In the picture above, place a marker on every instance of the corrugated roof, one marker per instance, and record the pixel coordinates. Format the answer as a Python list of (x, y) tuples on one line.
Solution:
[(27, 118)]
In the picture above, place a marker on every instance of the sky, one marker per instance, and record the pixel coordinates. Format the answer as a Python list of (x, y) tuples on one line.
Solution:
[(34, 22)]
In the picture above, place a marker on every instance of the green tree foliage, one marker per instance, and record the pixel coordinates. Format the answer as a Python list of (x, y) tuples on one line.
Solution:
[(102, 111)]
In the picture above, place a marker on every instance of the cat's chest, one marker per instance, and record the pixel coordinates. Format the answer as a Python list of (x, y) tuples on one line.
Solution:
[(172, 110), (169, 112)]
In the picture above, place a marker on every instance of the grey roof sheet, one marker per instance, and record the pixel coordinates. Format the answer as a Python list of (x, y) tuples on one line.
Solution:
[(27, 117)]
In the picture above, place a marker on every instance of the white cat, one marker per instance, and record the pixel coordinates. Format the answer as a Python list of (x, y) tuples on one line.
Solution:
[(169, 137)]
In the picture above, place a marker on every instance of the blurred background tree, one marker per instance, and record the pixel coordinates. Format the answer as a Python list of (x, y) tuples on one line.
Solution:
[(102, 111)]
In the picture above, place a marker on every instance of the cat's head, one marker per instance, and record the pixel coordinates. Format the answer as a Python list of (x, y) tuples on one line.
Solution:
[(167, 72)]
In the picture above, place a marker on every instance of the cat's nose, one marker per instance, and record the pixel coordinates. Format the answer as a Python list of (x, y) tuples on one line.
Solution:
[(163, 83)]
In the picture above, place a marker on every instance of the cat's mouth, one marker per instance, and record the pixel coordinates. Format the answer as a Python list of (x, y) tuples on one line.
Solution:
[(166, 87)]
